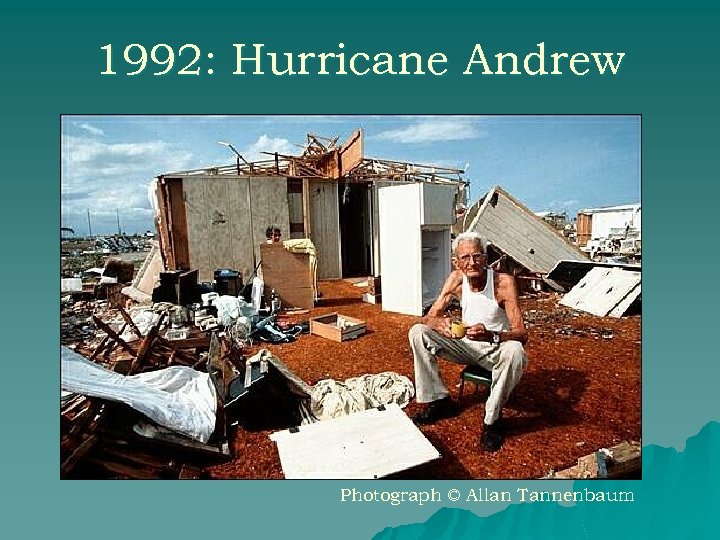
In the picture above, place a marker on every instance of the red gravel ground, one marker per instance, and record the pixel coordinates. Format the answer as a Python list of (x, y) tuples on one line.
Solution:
[(581, 392)]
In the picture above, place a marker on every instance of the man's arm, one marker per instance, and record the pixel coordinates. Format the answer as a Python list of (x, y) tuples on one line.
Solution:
[(434, 318), (511, 303)]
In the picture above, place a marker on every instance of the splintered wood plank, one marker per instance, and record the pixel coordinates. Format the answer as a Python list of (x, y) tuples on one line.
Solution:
[(369, 444), (178, 223)]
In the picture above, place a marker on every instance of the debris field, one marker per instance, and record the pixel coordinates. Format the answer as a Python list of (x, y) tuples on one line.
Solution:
[(581, 391)]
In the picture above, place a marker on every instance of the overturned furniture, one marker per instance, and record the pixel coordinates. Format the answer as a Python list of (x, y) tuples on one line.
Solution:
[(290, 274)]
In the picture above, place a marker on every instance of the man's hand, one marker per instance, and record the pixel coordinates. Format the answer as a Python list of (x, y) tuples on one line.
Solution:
[(439, 324), (478, 332)]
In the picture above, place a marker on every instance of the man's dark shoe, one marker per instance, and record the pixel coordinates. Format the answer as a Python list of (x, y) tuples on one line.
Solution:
[(436, 410), (492, 437)]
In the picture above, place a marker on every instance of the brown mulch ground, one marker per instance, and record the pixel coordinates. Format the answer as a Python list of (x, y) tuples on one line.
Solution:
[(581, 392)]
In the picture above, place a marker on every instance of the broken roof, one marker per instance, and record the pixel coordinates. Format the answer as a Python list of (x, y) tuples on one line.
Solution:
[(323, 158), (519, 233)]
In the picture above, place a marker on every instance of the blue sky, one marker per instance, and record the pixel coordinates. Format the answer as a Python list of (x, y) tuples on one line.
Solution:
[(549, 163)]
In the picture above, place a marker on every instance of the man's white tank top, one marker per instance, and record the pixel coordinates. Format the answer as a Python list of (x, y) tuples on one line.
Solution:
[(481, 307)]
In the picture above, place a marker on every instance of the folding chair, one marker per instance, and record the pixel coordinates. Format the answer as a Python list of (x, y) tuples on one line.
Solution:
[(476, 375)]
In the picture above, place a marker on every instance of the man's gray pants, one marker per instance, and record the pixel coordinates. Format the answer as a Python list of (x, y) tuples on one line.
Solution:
[(507, 362)]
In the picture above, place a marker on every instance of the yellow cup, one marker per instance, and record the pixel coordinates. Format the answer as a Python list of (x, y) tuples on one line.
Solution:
[(457, 329)]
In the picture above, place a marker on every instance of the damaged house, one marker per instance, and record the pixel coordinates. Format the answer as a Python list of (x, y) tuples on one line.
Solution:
[(528, 246), (216, 217)]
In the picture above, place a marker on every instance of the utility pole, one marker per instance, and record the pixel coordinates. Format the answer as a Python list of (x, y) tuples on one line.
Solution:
[(89, 225)]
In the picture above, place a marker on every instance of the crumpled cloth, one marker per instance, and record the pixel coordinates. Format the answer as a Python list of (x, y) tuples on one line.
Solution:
[(333, 399), (305, 245)]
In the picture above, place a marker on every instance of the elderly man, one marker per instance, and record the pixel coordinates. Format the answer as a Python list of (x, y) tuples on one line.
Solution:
[(494, 338)]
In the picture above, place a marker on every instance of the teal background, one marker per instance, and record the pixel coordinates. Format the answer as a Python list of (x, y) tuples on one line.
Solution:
[(50, 66)]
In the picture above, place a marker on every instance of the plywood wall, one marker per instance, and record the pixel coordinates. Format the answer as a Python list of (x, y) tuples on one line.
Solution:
[(325, 227), (226, 220), (269, 203)]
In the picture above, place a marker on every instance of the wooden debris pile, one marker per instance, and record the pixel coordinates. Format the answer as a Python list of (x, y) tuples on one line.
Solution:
[(622, 461), (101, 439)]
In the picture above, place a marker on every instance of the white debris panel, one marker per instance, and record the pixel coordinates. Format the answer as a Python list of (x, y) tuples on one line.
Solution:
[(604, 292), (178, 398), (368, 444)]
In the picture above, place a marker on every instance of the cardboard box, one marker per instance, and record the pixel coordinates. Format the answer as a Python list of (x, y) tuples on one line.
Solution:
[(327, 327)]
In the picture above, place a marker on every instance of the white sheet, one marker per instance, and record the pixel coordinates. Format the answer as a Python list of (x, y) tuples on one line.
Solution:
[(178, 397)]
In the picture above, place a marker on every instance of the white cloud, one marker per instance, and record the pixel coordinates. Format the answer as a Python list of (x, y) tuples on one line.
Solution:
[(107, 178), (268, 144), (91, 129), (431, 131)]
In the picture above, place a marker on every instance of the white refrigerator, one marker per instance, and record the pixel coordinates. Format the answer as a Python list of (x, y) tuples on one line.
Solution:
[(415, 222)]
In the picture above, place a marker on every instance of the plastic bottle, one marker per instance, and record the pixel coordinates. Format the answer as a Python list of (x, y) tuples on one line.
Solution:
[(274, 303), (257, 292)]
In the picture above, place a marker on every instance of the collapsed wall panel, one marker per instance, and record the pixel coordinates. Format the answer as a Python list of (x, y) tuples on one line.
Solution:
[(519, 233), (604, 292)]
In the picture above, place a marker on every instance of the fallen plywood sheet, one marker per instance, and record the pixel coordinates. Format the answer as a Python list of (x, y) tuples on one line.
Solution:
[(604, 291), (148, 275), (519, 233), (365, 445)]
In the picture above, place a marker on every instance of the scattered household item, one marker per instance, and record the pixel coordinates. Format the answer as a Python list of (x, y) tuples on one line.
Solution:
[(228, 282), (374, 292), (268, 331), (176, 333), (230, 308), (275, 303), (69, 285), (332, 399), (208, 299), (337, 327), (177, 287), (265, 395), (369, 444), (257, 292)]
